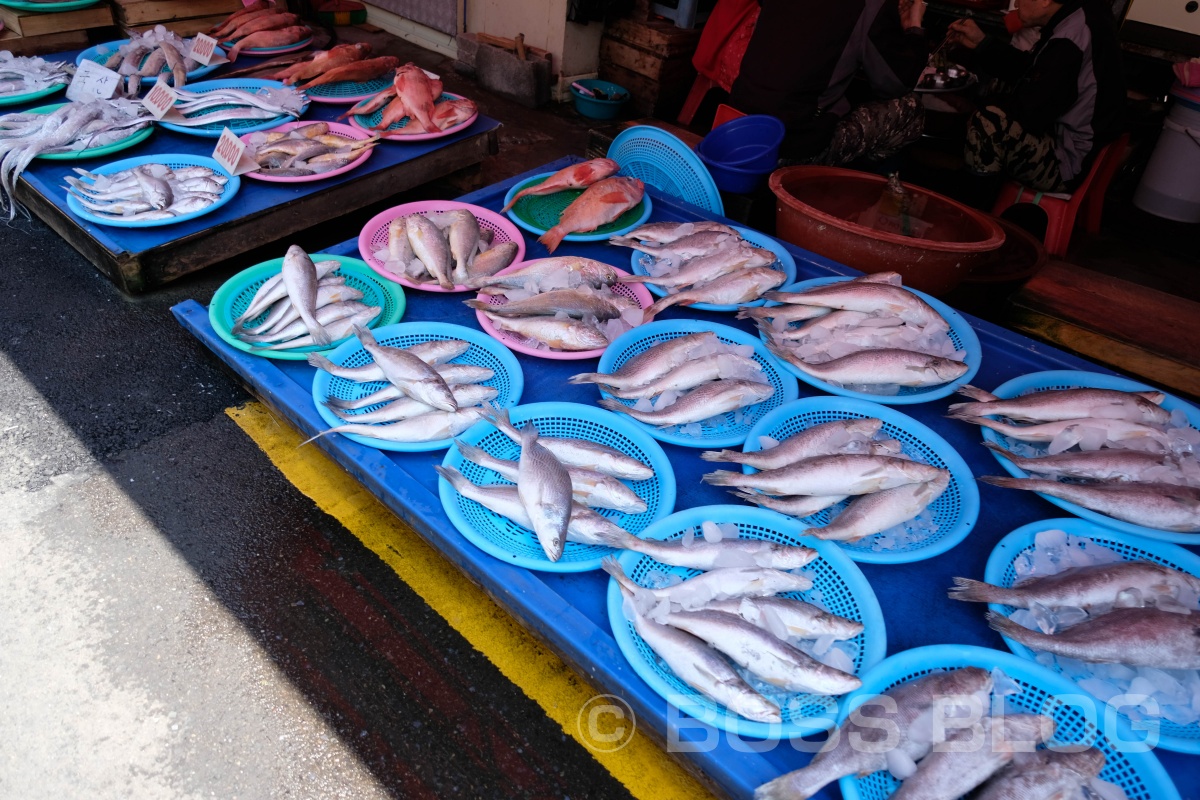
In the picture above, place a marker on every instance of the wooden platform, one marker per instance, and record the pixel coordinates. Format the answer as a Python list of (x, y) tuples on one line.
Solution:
[(1140, 331), (34, 23)]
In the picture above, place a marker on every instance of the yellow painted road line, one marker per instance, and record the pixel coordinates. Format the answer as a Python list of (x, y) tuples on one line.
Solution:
[(642, 766)]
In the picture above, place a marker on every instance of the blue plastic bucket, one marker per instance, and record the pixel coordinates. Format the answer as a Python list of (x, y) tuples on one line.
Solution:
[(736, 180), (749, 143), (596, 108)]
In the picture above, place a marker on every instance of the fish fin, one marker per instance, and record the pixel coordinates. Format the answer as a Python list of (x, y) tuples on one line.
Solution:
[(659, 306), (613, 405), (722, 477), (636, 279), (455, 478), (1004, 482), (975, 393), (587, 377), (623, 241), (970, 591), (318, 436), (995, 448), (613, 568), (1006, 627), (321, 337), (720, 455), (964, 411), (747, 495), (364, 334), (470, 452), (553, 238), (320, 362)]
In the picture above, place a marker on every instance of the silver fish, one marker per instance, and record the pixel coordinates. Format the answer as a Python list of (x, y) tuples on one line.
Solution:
[(324, 315), (1116, 430), (652, 363), (1081, 587), (491, 261), (667, 232), (705, 555), (300, 280), (559, 334), (867, 297), (1136, 637), (886, 365), (174, 61), (398, 245), (783, 615), (337, 330), (431, 247), (576, 303), (544, 486), (566, 271), (581, 453), (431, 427), (1044, 775), (273, 290), (700, 667), (743, 286), (906, 706), (693, 245), (783, 313), (708, 268), (828, 322), (409, 373), (454, 375), (872, 513), (329, 290), (819, 440), (451, 373), (464, 240), (717, 584), (693, 373), (798, 506), (1062, 404), (1108, 464), (1155, 505), (701, 403), (403, 407), (848, 474)]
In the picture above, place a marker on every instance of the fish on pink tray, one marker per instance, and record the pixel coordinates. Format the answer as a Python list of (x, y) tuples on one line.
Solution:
[(576, 176), (414, 91), (280, 38), (599, 204), (267, 22), (324, 61), (372, 104), (357, 71), (449, 113)]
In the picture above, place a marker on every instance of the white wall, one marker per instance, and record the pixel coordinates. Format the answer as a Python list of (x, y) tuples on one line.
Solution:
[(575, 49)]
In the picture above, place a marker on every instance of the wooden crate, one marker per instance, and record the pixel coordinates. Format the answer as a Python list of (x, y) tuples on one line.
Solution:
[(141, 12), (653, 60), (31, 23), (183, 27), (42, 45)]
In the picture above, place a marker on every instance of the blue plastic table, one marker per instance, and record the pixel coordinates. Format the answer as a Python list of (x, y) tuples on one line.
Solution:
[(568, 611)]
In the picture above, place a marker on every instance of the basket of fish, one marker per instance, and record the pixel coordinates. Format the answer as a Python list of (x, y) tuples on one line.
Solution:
[(290, 307), (150, 191), (413, 387), (585, 202), (262, 29), (736, 618), (869, 338), (140, 59), (1117, 614), (414, 108), (511, 486), (439, 245), (240, 104), (705, 265), (23, 79), (947, 720), (299, 152), (343, 75), (75, 131), (562, 307), (691, 383), (1105, 448), (883, 486)]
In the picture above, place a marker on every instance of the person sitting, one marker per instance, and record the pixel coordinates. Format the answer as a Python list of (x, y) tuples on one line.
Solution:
[(802, 58), (1066, 100)]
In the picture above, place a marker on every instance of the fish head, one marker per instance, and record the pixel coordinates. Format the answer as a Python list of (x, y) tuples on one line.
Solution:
[(947, 369)]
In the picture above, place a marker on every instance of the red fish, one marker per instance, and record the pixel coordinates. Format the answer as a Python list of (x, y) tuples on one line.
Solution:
[(415, 90), (449, 113), (269, 22), (230, 23), (576, 176), (599, 204), (357, 71), (270, 39), (325, 61), (371, 104)]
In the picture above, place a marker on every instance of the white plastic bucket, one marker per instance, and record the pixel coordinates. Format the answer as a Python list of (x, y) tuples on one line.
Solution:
[(1170, 188)]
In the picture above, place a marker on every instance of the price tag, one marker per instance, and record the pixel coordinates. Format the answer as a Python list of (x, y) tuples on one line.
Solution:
[(204, 50), (92, 82), (230, 153), (160, 100)]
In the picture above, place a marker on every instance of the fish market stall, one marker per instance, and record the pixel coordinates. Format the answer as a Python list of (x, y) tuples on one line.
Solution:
[(570, 609), (137, 259)]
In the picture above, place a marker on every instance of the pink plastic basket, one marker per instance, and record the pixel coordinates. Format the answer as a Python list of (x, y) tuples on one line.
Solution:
[(634, 291), (337, 129), (363, 121), (374, 236)]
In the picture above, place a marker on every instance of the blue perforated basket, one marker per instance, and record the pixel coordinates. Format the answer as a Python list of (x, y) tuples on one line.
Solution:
[(235, 296), (1078, 719), (962, 335), (842, 590), (174, 161), (99, 53), (539, 213), (665, 162), (348, 92), (954, 513), (483, 352), (1000, 571), (213, 130), (514, 544), (1071, 379), (783, 262), (730, 434)]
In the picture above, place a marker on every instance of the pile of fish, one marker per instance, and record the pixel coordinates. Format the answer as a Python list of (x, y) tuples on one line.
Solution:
[(306, 150), (821, 466), (576, 176), (22, 75), (690, 381), (563, 303), (146, 55), (426, 398), (701, 262), (731, 634), (447, 248), (1116, 453), (304, 305), (418, 97), (260, 24), (1115, 627), (148, 191), (558, 483), (869, 334), (934, 734), (230, 105), (73, 126)]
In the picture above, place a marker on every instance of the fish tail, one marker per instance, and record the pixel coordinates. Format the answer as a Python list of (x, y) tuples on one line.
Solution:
[(995, 448), (587, 377), (364, 334), (613, 568), (499, 417), (321, 362), (966, 411), (456, 479), (472, 453), (975, 420), (798, 785), (613, 536), (749, 496), (975, 393), (318, 436), (721, 455), (636, 279), (622, 241), (970, 591), (1004, 482), (723, 477), (1006, 627), (660, 305), (553, 237), (321, 337), (613, 405), (479, 305), (516, 197)]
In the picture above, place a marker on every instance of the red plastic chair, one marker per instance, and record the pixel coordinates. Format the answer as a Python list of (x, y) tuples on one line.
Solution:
[(1062, 210)]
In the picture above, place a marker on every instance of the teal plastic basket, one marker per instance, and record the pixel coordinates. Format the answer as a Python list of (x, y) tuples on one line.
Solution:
[(838, 585), (213, 130), (954, 512), (731, 433), (538, 214), (348, 92), (514, 544), (483, 352), (1070, 379), (783, 262), (665, 162), (1001, 571), (1078, 719), (962, 335)]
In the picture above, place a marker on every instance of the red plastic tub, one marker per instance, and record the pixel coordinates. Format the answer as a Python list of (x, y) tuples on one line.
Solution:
[(815, 208)]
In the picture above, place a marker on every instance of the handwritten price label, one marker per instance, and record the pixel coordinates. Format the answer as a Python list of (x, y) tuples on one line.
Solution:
[(92, 82), (230, 153), (204, 47), (160, 100)]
